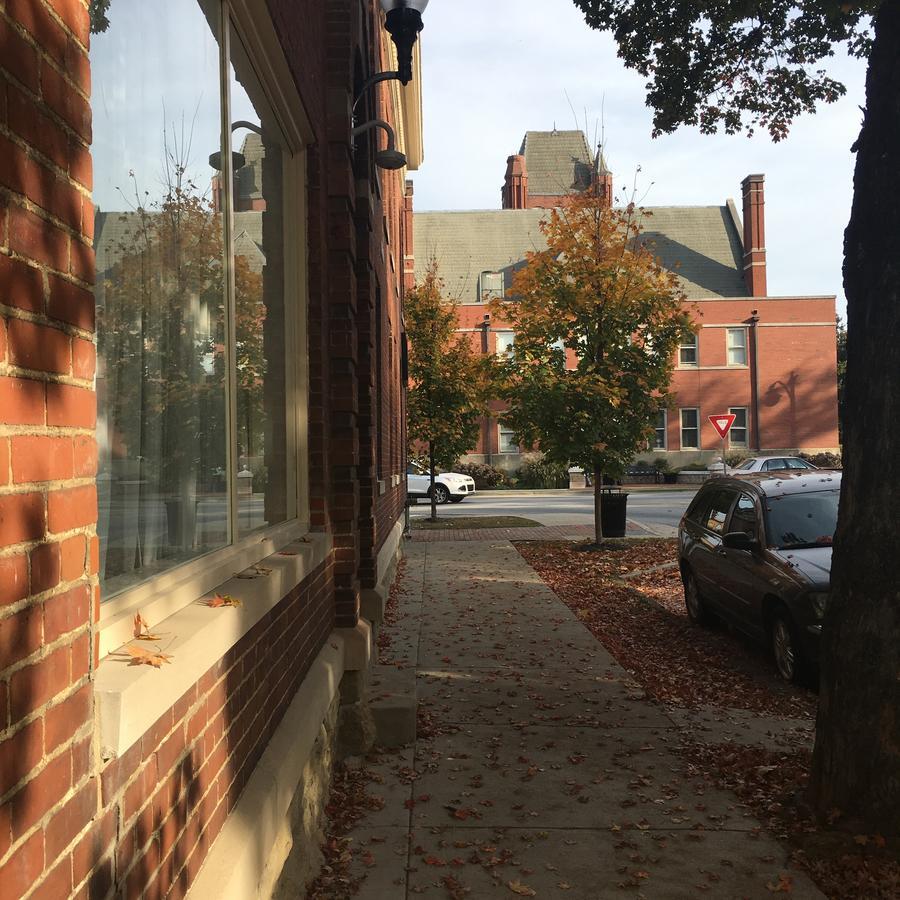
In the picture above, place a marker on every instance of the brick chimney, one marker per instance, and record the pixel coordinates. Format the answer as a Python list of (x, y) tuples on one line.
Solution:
[(515, 185), (407, 247), (603, 180), (753, 194)]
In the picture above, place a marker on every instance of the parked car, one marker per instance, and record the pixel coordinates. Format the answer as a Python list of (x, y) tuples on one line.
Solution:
[(756, 550), (770, 464), (448, 486)]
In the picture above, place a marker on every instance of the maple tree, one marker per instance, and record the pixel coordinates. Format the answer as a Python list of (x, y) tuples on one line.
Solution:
[(599, 294), (449, 384), (739, 65)]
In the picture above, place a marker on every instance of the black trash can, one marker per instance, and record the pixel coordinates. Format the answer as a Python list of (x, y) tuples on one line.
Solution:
[(612, 512)]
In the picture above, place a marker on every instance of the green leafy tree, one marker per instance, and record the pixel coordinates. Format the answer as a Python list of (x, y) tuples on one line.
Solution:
[(599, 293), (449, 382), (746, 65)]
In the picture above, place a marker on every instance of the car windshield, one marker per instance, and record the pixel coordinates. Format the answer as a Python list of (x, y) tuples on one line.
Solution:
[(747, 464), (803, 520)]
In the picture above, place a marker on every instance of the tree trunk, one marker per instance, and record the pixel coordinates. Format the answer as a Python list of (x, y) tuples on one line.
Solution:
[(856, 763), (598, 505), (431, 476)]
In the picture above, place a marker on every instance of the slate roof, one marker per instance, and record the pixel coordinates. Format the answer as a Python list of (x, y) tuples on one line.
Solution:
[(701, 243), (557, 162)]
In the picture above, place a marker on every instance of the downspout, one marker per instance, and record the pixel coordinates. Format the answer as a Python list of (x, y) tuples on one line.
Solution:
[(485, 349), (754, 375)]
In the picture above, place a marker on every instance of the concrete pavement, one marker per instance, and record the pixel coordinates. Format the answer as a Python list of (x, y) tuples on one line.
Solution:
[(539, 769)]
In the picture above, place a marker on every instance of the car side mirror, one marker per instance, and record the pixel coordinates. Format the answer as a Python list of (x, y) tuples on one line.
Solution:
[(740, 540)]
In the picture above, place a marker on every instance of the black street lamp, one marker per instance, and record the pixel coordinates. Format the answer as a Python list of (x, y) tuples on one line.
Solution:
[(403, 21)]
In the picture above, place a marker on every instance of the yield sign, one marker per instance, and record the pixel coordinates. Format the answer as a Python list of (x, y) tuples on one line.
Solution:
[(722, 423)]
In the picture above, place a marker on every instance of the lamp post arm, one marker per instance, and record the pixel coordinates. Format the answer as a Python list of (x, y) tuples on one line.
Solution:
[(371, 81), (376, 123)]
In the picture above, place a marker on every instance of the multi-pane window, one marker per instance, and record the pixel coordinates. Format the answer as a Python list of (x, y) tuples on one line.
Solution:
[(688, 351), (736, 346), (659, 431), (507, 442), (737, 436), (195, 442), (504, 342), (491, 286), (690, 429)]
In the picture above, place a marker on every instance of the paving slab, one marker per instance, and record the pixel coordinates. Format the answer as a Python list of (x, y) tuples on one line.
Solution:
[(585, 864), (587, 698), (714, 725), (585, 777), (539, 768)]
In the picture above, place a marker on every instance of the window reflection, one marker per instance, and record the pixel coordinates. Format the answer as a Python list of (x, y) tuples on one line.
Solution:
[(160, 290), (259, 301)]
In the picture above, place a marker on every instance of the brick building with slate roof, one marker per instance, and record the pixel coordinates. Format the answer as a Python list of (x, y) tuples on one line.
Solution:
[(770, 360)]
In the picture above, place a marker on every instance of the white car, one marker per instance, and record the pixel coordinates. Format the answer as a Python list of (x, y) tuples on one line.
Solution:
[(771, 464), (448, 486)]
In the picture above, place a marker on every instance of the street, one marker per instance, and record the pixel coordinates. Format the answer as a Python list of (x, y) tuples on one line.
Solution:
[(658, 511)]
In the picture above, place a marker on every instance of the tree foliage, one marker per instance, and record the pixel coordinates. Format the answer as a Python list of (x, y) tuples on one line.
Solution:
[(597, 294), (733, 64), (449, 382)]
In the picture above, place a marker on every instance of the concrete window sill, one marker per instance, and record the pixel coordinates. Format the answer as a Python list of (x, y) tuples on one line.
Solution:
[(131, 698)]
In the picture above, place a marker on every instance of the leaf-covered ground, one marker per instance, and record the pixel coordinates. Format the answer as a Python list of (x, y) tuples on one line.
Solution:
[(674, 660), (683, 665)]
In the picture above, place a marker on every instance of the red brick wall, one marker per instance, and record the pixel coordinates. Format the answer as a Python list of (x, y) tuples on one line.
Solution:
[(141, 825), (797, 362), (48, 548)]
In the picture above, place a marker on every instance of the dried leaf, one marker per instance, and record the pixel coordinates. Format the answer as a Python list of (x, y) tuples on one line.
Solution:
[(142, 657), (141, 629), (518, 888), (223, 600), (784, 885)]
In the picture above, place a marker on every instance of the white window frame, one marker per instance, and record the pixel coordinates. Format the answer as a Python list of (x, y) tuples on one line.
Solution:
[(693, 345), (731, 346), (665, 431), (507, 338), (681, 428), (736, 410), (501, 431), (490, 292), (172, 590)]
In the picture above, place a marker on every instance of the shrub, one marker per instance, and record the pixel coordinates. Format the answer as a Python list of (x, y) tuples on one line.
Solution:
[(823, 460), (539, 473), (735, 457), (694, 467), (483, 475), (661, 464)]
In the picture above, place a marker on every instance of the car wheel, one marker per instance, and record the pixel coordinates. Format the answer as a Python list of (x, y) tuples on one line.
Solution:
[(441, 494), (696, 608), (457, 499), (786, 648)]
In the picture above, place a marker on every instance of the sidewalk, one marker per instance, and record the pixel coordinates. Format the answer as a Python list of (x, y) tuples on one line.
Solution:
[(539, 770), (532, 533)]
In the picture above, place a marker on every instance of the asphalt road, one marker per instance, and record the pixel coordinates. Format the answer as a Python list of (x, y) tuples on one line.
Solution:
[(658, 511)]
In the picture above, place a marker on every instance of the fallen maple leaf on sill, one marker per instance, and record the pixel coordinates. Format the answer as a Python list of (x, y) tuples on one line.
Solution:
[(518, 888), (141, 629), (254, 572), (140, 656), (223, 600)]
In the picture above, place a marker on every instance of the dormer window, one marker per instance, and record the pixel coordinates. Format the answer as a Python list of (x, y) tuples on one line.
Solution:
[(491, 286)]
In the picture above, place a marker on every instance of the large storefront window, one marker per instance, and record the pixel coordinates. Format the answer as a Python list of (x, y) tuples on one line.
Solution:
[(191, 383)]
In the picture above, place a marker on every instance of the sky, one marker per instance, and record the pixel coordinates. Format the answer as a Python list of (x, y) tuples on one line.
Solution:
[(494, 69)]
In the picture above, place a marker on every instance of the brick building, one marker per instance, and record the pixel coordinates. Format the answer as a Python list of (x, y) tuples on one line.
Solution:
[(201, 277), (772, 361)]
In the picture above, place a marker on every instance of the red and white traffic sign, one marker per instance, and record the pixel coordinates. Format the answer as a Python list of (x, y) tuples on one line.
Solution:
[(722, 423)]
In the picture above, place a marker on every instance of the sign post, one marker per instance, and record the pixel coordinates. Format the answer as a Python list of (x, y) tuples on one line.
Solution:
[(722, 423)]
